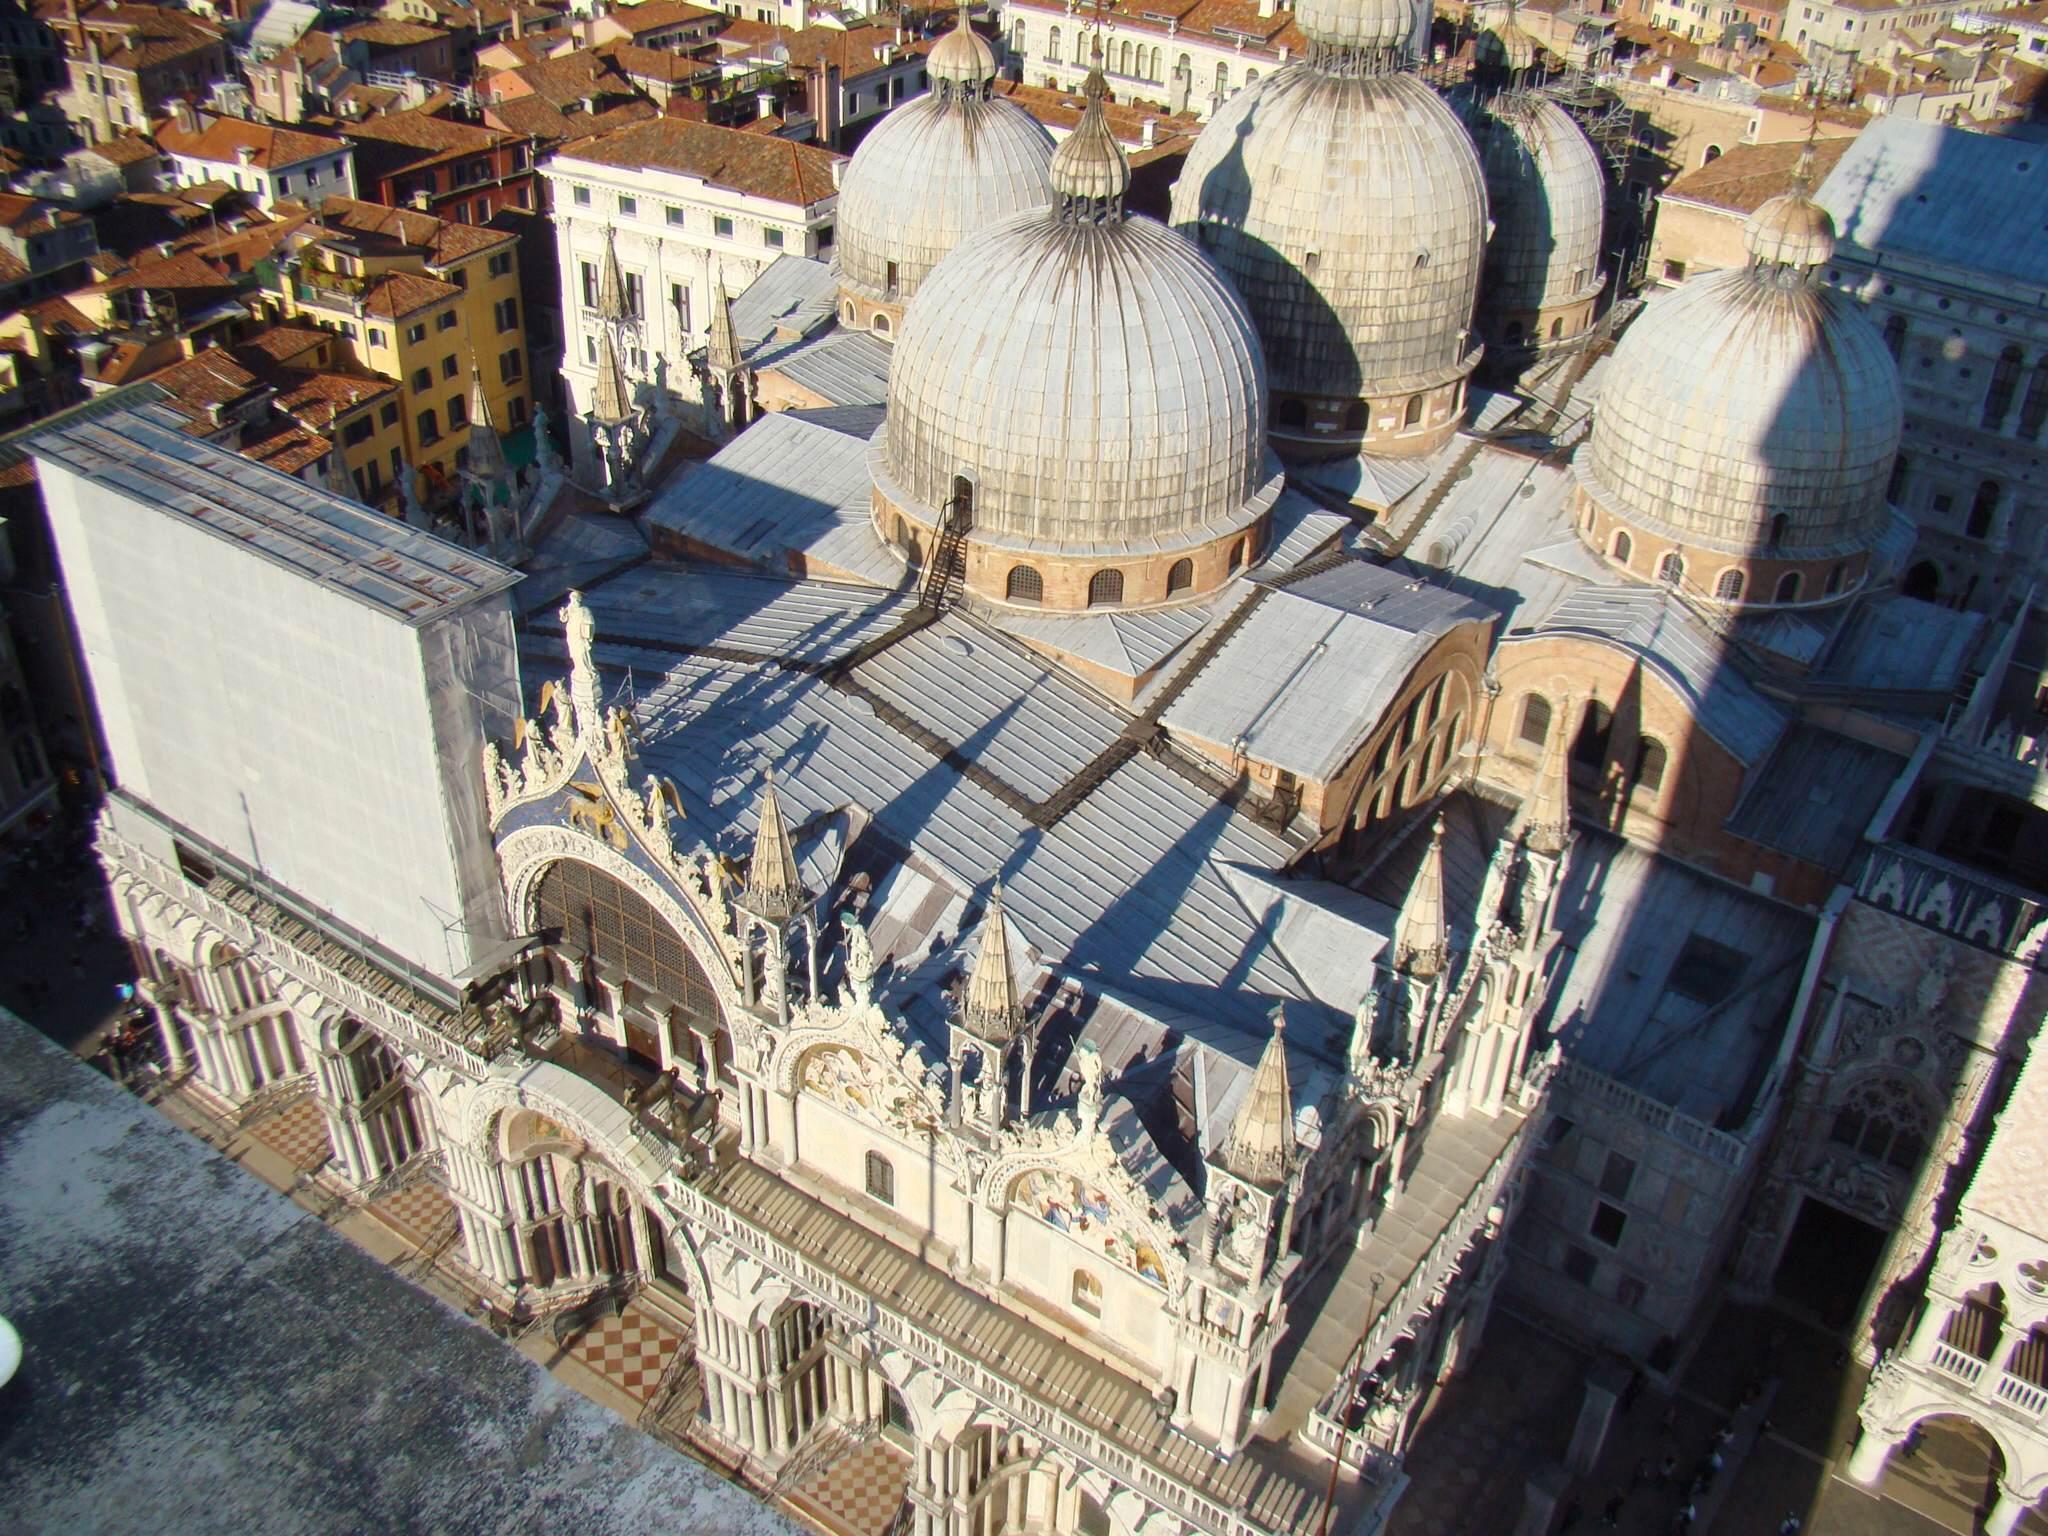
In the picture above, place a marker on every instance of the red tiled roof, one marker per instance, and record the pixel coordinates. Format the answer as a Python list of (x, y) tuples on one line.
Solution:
[(220, 142), (774, 169), (398, 294), (1749, 175)]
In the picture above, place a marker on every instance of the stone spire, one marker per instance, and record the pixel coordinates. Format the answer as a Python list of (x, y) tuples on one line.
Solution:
[(486, 452), (1261, 1145), (611, 404), (723, 353), (1089, 171), (991, 1009), (1422, 938), (774, 889), (1546, 816), (339, 480), (611, 284)]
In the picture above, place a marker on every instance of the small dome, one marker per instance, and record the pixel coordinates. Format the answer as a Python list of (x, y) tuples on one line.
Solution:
[(1748, 410), (1350, 212), (932, 172), (1506, 47), (1368, 27), (1791, 230), (1090, 165), (1549, 200), (962, 57)]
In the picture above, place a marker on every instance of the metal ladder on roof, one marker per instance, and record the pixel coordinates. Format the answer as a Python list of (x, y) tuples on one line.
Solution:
[(947, 568)]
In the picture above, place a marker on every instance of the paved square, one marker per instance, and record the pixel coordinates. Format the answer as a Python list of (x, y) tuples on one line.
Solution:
[(630, 1351), (863, 1490), (297, 1134), (421, 1213)]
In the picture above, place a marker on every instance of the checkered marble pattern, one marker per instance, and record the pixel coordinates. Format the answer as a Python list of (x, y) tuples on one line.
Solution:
[(421, 1213), (297, 1134), (862, 1491), (630, 1351)]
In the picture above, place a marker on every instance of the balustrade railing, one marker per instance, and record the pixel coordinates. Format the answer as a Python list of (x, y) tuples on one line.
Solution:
[(1951, 1361), (2019, 1393)]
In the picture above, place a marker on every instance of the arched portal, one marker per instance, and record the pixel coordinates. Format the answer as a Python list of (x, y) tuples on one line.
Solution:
[(625, 960)]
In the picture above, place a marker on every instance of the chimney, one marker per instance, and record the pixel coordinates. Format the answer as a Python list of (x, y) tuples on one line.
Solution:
[(188, 120), (518, 21), (1150, 134), (423, 200), (245, 154), (1267, 7)]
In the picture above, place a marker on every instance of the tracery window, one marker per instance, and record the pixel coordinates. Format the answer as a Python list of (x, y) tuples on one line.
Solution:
[(1882, 1120), (1535, 726), (623, 935)]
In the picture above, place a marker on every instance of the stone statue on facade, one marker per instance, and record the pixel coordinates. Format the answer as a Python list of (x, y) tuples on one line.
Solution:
[(860, 959)]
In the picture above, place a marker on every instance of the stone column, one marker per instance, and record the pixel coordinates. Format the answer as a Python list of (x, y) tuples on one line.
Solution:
[(1866, 1462), (1604, 1386), (781, 1124), (167, 1031)]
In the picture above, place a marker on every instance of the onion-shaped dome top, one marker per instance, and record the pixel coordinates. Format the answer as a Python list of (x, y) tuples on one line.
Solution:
[(1549, 199), (1350, 211), (934, 171), (1090, 166), (1354, 34), (1506, 47), (962, 58), (1790, 230), (1750, 410), (1089, 375)]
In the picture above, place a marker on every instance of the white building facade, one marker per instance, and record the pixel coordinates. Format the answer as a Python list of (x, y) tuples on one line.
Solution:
[(687, 229)]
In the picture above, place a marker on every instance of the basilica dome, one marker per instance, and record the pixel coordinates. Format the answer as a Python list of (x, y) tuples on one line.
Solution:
[(933, 171), (1746, 427), (1084, 393), (1345, 201), (1549, 196)]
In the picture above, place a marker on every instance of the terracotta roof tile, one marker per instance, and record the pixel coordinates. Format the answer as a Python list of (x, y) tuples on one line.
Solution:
[(126, 149), (422, 130), (398, 294), (774, 169), (1749, 175), (443, 240), (290, 448), (220, 142), (392, 34)]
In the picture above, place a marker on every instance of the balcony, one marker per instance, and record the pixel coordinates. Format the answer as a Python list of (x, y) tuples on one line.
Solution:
[(1950, 1361), (2021, 1395)]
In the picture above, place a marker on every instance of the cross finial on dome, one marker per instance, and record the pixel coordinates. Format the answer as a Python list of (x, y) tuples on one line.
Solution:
[(1089, 171)]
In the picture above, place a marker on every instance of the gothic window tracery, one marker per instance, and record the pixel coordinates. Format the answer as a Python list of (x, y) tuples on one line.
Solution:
[(624, 936), (1882, 1119)]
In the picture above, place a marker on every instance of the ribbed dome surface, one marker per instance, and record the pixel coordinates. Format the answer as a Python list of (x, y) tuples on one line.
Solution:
[(1790, 230), (1350, 212), (1095, 380), (934, 171), (1369, 25), (1549, 197), (1742, 396), (962, 57)]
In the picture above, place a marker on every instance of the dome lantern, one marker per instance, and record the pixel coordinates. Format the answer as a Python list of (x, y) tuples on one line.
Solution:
[(1089, 172), (962, 64)]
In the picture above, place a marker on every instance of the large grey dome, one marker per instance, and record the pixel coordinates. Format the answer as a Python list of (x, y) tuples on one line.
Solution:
[(934, 171), (1350, 211), (1097, 382), (1549, 198), (1744, 397)]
